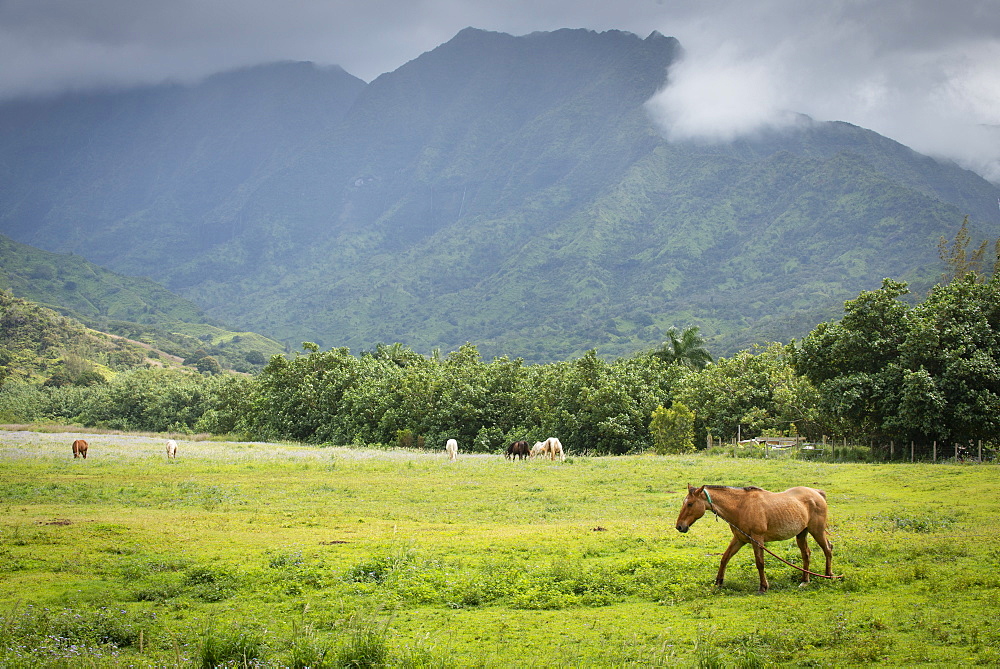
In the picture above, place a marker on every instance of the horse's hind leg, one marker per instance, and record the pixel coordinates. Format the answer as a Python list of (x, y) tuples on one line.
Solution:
[(824, 543), (800, 539)]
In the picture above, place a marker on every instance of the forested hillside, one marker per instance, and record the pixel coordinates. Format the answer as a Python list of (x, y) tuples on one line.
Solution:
[(507, 191), (133, 307), (38, 345), (80, 289)]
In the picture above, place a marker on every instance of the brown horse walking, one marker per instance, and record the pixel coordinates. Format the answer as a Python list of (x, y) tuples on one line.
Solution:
[(757, 516), (80, 449)]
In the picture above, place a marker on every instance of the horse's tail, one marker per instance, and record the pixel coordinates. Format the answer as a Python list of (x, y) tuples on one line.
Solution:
[(822, 493)]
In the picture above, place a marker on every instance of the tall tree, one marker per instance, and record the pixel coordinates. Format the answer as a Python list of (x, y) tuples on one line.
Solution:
[(854, 363), (952, 357), (927, 373), (960, 262)]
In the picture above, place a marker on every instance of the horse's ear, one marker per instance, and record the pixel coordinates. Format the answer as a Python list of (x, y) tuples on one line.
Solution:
[(690, 489)]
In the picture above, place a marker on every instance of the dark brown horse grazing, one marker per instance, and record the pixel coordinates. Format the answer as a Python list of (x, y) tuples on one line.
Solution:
[(757, 516), (80, 449), (519, 449)]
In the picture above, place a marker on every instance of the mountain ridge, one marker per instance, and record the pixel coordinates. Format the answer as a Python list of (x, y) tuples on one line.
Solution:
[(509, 191)]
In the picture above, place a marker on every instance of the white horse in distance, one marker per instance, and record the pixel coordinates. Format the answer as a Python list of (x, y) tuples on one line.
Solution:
[(551, 447)]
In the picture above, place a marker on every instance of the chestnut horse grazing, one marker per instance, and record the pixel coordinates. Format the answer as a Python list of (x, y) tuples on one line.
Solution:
[(757, 516), (80, 449)]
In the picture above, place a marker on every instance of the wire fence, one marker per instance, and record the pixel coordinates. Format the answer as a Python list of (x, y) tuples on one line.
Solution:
[(847, 450)]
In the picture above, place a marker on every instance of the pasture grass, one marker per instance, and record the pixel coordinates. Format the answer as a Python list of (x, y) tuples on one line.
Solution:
[(283, 555)]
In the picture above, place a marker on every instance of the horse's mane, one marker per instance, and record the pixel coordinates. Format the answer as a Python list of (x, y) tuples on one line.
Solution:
[(734, 487)]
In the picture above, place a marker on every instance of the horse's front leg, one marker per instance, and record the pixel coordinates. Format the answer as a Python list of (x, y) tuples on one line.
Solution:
[(800, 539), (758, 558), (731, 550)]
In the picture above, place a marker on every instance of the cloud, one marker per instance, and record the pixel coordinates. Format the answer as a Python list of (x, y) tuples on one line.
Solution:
[(923, 73), (719, 96)]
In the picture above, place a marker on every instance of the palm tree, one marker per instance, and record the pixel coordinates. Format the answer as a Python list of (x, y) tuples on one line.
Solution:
[(684, 348)]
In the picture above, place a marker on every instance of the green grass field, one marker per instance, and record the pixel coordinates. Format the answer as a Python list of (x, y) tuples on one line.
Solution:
[(283, 555)]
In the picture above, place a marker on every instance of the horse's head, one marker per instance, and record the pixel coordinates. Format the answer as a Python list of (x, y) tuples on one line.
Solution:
[(692, 509)]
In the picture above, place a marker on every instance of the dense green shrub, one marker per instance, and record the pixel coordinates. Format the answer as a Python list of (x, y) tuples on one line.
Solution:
[(672, 429), (151, 399), (391, 398)]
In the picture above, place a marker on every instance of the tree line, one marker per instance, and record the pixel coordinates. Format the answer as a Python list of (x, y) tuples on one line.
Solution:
[(892, 368)]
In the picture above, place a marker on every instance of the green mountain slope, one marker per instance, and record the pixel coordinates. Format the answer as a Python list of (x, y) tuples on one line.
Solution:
[(38, 344), (510, 191), (137, 308), (139, 180), (84, 290)]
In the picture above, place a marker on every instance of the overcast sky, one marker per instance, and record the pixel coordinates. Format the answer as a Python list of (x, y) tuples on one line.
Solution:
[(924, 72)]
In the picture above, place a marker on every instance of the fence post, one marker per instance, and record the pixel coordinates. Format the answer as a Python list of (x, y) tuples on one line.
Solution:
[(980, 451), (934, 457), (911, 451), (892, 449)]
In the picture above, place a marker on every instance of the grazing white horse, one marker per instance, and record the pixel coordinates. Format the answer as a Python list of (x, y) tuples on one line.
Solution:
[(171, 449), (554, 448), (538, 449), (451, 446)]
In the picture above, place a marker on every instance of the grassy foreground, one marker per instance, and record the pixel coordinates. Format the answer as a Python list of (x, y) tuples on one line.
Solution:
[(276, 555)]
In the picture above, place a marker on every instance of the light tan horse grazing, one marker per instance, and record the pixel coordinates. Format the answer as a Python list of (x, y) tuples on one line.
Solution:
[(171, 449), (553, 448), (757, 516), (80, 449)]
